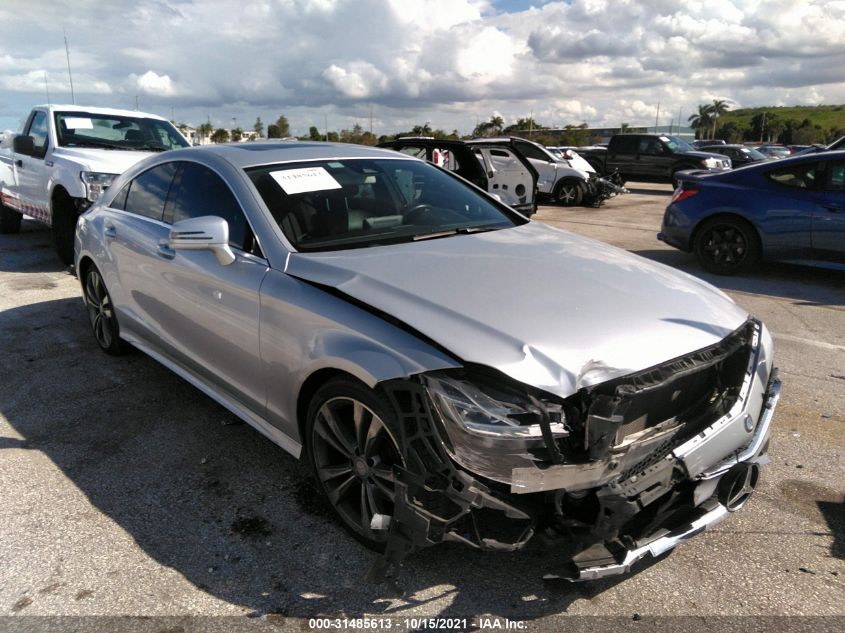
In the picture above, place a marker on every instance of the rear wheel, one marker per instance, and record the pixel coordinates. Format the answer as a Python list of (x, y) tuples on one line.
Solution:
[(569, 193), (352, 450), (101, 313), (726, 246), (10, 220)]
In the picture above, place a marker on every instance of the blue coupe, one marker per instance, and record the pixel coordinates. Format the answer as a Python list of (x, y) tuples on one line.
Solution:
[(792, 210)]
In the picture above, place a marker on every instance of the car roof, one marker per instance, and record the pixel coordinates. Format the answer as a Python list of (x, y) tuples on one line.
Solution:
[(254, 153), (55, 107)]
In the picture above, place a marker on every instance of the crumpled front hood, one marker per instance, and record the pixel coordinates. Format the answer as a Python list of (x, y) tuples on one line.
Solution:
[(108, 161), (546, 307)]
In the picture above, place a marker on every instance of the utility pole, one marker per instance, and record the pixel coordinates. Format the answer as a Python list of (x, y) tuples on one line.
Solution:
[(656, 117), (763, 126), (326, 126), (531, 124), (371, 118), (681, 109), (69, 75), (136, 101)]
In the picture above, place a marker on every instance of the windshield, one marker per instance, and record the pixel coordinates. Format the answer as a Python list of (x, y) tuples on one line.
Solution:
[(355, 203), (677, 144), (109, 131)]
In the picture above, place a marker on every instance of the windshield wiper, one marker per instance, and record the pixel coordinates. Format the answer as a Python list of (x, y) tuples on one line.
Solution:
[(464, 230), (99, 144), (149, 148)]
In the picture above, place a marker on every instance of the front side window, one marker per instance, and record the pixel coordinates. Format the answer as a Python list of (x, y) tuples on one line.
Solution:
[(354, 203), (677, 144), (148, 192), (198, 191), (836, 178), (38, 132), (109, 131), (801, 176)]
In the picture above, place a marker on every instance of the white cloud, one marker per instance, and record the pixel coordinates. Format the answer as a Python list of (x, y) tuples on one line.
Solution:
[(443, 61), (151, 83)]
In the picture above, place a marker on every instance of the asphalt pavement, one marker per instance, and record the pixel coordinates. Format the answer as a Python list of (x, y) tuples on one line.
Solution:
[(124, 491)]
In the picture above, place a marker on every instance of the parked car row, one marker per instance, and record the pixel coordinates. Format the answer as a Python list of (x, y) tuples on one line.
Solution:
[(505, 165)]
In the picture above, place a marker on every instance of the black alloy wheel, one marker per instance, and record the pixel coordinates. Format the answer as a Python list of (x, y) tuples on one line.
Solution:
[(726, 246), (353, 451), (101, 313)]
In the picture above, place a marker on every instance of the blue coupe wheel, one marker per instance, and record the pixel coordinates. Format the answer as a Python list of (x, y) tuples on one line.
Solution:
[(726, 246)]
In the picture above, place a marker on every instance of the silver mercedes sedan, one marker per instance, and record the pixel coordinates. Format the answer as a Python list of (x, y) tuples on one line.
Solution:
[(450, 370)]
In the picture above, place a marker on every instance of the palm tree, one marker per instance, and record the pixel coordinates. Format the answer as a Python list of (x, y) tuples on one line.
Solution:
[(497, 123), (719, 107), (701, 119)]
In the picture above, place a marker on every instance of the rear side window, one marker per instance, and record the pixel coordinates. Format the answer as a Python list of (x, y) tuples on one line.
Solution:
[(801, 176), (624, 144), (199, 191), (148, 192)]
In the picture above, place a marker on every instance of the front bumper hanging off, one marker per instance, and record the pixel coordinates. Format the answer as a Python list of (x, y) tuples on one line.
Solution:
[(680, 494)]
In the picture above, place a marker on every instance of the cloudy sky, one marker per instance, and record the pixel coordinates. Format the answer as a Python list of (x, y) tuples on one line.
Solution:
[(407, 62)]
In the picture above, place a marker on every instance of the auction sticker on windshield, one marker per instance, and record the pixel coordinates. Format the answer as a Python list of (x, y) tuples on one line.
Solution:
[(305, 180), (78, 123)]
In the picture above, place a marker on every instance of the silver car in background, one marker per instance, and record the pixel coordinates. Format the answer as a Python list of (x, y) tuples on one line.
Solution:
[(450, 370)]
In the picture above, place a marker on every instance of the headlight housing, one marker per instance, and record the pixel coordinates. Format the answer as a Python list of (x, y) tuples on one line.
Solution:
[(716, 163), (491, 427), (96, 183), (502, 416)]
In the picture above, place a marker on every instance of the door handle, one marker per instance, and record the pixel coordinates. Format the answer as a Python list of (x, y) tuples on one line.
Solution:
[(18, 163), (165, 251), (110, 231)]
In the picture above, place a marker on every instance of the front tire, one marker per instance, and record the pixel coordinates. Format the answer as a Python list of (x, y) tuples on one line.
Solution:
[(101, 313), (726, 246), (569, 193), (352, 449), (10, 220), (63, 218)]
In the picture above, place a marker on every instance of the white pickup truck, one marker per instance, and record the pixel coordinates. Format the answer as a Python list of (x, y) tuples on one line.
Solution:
[(66, 157)]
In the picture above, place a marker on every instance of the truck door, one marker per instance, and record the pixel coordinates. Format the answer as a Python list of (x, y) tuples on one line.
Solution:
[(622, 155), (654, 158), (34, 171)]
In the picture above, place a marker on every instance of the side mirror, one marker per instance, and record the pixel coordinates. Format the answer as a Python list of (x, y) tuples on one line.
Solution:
[(24, 145), (205, 233)]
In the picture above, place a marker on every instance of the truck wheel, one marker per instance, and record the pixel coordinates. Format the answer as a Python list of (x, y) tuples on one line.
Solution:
[(10, 220), (569, 193), (64, 217), (726, 245)]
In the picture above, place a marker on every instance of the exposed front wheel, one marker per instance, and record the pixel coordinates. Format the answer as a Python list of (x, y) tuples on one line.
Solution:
[(10, 220), (569, 193), (352, 450), (63, 218), (101, 313), (726, 246)]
